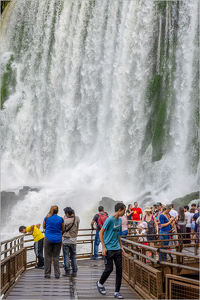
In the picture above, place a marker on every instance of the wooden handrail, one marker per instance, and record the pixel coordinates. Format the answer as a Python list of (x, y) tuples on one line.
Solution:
[(142, 255)]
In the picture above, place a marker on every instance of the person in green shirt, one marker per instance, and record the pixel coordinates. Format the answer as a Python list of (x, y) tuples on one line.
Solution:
[(38, 242)]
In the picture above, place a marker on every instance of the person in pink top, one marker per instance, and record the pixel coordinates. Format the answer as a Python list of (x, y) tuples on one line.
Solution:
[(124, 225)]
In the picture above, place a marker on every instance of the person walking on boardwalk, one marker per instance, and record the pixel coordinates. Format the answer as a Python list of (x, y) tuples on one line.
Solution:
[(54, 226), (99, 219), (38, 242), (71, 225), (112, 249)]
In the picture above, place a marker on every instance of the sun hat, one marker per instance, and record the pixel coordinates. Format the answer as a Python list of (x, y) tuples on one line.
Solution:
[(144, 225), (147, 208)]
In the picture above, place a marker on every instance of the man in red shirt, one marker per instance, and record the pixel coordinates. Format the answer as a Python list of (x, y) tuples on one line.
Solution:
[(136, 214)]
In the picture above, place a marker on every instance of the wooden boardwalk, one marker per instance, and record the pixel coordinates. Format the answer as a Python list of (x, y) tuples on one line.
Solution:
[(33, 285)]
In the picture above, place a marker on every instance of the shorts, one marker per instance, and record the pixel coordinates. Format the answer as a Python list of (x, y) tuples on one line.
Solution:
[(192, 226)]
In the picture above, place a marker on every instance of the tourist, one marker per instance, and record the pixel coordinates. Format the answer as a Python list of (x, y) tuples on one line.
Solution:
[(143, 236), (154, 208), (182, 222), (54, 226), (70, 232), (159, 207), (99, 219), (188, 224), (129, 214), (143, 233), (165, 228), (38, 242), (192, 211), (156, 214), (173, 212), (112, 249), (136, 214), (152, 224), (124, 231), (193, 205), (195, 217)]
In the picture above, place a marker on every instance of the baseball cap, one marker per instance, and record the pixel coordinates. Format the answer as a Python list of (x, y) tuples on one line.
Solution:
[(158, 203)]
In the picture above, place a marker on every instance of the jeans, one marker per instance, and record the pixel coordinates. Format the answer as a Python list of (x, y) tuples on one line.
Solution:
[(96, 244), (115, 255), (165, 243), (125, 232), (135, 224), (64, 253), (70, 252), (38, 247)]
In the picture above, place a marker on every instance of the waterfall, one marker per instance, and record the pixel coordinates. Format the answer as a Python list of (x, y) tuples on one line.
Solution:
[(99, 98)]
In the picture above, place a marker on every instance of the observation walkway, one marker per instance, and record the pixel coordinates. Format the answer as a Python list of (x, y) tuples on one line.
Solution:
[(33, 285), (145, 273)]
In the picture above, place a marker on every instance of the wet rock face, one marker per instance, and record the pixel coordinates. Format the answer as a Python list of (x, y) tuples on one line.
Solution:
[(182, 201), (109, 205), (8, 199)]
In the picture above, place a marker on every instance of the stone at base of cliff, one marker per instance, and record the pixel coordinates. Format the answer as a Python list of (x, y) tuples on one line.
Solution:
[(109, 205), (181, 202)]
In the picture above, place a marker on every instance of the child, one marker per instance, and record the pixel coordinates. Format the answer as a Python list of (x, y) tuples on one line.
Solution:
[(141, 239)]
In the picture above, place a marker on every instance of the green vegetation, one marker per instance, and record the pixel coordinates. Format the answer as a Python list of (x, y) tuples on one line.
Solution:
[(7, 82), (3, 5)]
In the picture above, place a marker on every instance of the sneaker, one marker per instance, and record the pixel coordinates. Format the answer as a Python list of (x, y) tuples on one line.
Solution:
[(118, 296), (66, 275), (94, 258), (47, 276), (39, 267), (101, 289), (74, 274)]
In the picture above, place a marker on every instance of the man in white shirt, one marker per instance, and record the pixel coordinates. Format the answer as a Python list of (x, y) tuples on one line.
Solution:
[(188, 224), (173, 213)]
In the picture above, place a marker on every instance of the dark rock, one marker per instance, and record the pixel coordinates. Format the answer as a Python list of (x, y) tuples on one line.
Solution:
[(182, 201), (109, 205), (8, 199)]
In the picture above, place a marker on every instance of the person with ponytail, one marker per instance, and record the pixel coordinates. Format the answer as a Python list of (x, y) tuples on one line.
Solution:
[(54, 226)]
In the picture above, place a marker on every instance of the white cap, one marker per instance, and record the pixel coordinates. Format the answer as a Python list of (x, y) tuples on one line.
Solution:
[(144, 225)]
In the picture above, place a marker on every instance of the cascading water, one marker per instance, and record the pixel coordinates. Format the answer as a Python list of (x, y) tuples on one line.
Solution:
[(100, 98)]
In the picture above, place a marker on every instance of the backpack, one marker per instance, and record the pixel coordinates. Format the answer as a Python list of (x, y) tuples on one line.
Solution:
[(101, 220)]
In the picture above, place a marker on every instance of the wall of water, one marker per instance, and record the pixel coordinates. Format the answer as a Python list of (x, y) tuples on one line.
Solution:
[(99, 98)]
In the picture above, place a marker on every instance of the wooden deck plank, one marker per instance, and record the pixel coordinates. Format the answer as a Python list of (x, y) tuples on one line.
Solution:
[(33, 285)]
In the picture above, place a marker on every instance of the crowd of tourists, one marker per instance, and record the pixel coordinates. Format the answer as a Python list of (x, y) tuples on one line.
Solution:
[(157, 222)]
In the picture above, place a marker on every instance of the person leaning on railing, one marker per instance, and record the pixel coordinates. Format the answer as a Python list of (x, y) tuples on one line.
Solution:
[(165, 228), (38, 242)]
